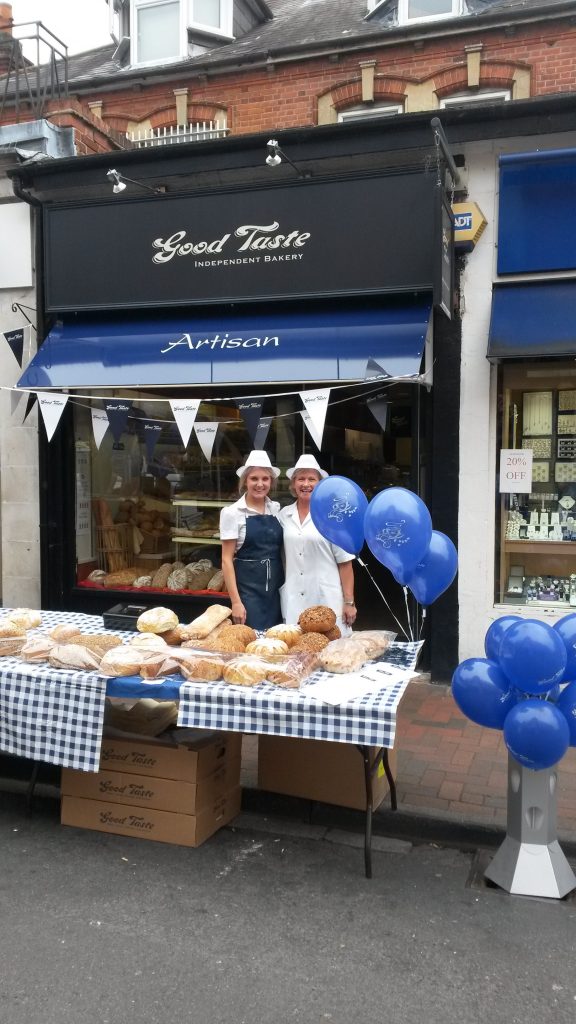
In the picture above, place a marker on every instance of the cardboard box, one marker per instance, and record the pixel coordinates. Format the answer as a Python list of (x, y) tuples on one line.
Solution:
[(192, 761), (147, 823), (332, 773), (146, 791)]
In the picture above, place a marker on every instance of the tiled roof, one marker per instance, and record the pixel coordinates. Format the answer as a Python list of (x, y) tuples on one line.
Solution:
[(297, 25)]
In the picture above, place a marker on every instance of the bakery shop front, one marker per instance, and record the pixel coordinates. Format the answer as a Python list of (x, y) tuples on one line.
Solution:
[(185, 328)]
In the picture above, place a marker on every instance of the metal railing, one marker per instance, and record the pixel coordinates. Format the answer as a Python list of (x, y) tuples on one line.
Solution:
[(34, 66), (198, 131)]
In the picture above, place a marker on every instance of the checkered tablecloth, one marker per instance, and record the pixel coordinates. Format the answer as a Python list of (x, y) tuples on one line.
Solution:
[(56, 715), (268, 710), (49, 714)]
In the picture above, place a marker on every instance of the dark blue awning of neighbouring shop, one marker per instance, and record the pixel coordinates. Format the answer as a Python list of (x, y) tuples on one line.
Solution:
[(241, 349), (536, 212), (532, 320)]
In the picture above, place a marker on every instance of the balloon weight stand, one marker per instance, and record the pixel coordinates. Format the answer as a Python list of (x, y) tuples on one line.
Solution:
[(530, 861)]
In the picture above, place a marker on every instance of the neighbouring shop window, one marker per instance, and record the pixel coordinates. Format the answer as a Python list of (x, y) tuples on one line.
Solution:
[(142, 514), (536, 530)]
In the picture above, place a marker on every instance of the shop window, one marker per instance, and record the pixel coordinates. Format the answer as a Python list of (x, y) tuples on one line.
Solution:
[(427, 10), (536, 562), (471, 99), (158, 31), (140, 511), (363, 113)]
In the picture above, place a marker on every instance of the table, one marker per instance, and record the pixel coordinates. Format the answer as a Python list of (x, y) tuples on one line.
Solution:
[(57, 716)]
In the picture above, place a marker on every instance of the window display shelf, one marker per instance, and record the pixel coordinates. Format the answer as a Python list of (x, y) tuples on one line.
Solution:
[(539, 547), (201, 502), (196, 540)]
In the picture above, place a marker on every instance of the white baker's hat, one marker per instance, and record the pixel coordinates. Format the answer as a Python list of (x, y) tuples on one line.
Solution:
[(258, 460), (306, 462)]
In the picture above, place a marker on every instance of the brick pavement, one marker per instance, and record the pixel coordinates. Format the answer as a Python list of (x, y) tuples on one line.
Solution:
[(449, 768)]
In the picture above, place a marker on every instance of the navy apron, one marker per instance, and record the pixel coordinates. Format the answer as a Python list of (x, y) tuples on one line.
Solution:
[(260, 572)]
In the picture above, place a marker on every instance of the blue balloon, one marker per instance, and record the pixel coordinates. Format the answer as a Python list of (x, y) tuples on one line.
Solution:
[(533, 656), (434, 574), (495, 635), (566, 703), (566, 628), (536, 733), (482, 692), (398, 531), (337, 508)]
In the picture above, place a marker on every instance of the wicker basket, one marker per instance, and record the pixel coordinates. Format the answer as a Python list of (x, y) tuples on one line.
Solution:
[(114, 546)]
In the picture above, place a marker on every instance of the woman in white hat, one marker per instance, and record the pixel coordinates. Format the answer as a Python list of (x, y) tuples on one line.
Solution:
[(317, 572), (251, 538)]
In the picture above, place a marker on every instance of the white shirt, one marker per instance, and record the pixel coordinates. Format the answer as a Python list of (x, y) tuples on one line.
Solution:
[(233, 519), (312, 575)]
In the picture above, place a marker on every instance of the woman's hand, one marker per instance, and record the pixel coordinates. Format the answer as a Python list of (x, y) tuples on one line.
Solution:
[(238, 613), (349, 614)]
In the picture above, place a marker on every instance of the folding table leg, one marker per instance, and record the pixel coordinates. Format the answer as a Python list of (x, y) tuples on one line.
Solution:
[(31, 786), (370, 768)]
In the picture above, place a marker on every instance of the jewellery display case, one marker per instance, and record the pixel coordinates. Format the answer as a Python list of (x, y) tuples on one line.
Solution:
[(537, 558)]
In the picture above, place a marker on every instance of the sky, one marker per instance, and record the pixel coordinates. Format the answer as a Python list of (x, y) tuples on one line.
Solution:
[(80, 24)]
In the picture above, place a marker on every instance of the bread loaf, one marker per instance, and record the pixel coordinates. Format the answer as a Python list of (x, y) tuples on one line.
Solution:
[(37, 649), (11, 645), (289, 634), (203, 670), (24, 618), (73, 656), (216, 582), (317, 619), (156, 620), (160, 577), (246, 671), (345, 655), (267, 645), (64, 632), (121, 661), (177, 580), (122, 578), (205, 623)]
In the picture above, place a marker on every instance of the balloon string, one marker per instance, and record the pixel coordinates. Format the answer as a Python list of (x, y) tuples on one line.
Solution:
[(399, 624), (422, 623), (405, 589)]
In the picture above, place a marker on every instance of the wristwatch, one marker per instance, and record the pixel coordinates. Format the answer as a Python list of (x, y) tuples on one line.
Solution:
[(349, 602)]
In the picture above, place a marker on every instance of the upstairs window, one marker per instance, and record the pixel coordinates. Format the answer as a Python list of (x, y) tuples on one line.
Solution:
[(472, 99), (427, 10), (213, 16), (158, 31), (369, 113)]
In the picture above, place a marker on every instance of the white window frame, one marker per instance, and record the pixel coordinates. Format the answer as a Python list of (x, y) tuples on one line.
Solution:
[(457, 7), (226, 20), (471, 99), (138, 5), (370, 112)]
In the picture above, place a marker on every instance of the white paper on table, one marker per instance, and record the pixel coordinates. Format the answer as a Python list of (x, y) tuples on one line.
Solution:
[(341, 688)]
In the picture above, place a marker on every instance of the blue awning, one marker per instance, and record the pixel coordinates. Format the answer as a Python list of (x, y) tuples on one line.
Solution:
[(530, 320), (232, 349)]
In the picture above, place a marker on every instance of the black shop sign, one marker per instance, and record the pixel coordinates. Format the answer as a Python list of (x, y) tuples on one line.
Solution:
[(373, 235)]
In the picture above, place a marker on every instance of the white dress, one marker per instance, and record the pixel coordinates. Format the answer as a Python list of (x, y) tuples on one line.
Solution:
[(312, 575)]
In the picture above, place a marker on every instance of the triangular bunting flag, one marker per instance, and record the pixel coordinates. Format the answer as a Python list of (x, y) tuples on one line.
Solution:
[(52, 406), (117, 411), (250, 410), (185, 415), (16, 341), (375, 372), (262, 430), (15, 397), (100, 424), (379, 408), (316, 437), (206, 434), (152, 433), (29, 405), (316, 405)]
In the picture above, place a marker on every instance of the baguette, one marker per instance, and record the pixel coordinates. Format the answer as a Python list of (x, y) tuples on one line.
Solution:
[(200, 627)]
